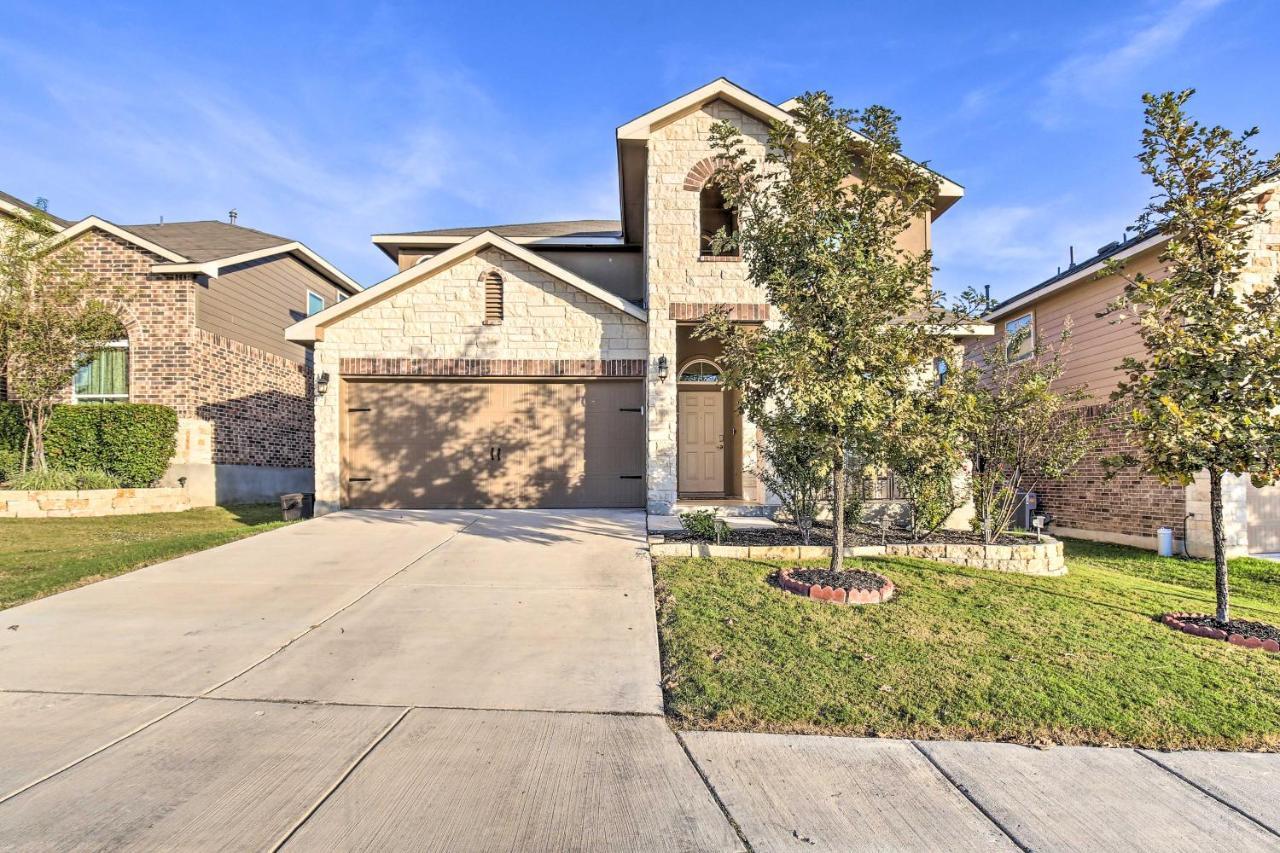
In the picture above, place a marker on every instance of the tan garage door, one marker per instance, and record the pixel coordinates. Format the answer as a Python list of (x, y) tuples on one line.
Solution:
[(428, 444)]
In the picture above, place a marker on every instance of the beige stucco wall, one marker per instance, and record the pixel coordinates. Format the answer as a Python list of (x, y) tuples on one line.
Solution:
[(442, 316), (675, 273)]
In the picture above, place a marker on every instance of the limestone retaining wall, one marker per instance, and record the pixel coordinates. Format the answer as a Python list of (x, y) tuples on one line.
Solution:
[(91, 502)]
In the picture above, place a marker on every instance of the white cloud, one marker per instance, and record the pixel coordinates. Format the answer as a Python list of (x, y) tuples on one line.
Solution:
[(1105, 67)]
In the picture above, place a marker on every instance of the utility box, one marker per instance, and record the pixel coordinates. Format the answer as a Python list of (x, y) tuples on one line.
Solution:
[(297, 505)]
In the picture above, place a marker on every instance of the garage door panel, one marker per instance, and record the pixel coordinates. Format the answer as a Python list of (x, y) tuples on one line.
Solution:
[(493, 444)]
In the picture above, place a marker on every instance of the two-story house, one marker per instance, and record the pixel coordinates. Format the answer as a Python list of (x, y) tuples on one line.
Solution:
[(553, 364), (202, 309), (1129, 506)]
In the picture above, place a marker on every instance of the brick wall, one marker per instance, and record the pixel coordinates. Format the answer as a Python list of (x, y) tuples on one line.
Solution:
[(1130, 504)]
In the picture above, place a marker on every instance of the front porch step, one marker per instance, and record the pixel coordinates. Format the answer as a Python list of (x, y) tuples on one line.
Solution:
[(659, 524)]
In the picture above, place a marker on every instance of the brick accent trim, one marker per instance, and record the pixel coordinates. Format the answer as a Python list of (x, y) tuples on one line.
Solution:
[(701, 171), (742, 312), (614, 367)]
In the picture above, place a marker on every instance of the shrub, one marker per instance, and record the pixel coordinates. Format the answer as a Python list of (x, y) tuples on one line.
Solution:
[(63, 479), (131, 442), (794, 468), (704, 524), (10, 463)]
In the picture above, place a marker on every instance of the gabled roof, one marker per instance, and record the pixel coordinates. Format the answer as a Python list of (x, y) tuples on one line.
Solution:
[(723, 89), (312, 328), (566, 228), (13, 204), (207, 247)]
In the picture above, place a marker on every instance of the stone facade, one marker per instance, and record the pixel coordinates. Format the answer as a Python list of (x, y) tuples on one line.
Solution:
[(679, 160), (440, 318)]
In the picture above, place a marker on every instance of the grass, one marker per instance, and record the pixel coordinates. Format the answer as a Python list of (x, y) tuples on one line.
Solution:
[(40, 557), (969, 654)]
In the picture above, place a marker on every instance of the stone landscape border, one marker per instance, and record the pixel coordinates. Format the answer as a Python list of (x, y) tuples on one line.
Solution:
[(90, 503), (1032, 558), (1174, 621), (835, 594)]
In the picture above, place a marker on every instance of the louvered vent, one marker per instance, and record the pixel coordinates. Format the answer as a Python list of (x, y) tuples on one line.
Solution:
[(492, 299)]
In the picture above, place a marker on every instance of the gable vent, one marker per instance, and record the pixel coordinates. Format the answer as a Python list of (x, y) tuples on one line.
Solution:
[(492, 299)]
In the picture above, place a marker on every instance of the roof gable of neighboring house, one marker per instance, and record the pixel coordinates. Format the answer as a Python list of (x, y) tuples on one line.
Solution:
[(13, 205), (206, 248), (312, 328)]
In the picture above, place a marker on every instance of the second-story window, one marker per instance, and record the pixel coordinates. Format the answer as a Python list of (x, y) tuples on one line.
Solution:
[(1020, 337), (715, 218), (315, 303), (493, 307)]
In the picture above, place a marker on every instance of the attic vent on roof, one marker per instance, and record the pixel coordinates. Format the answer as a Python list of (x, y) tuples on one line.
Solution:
[(492, 299), (1110, 247)]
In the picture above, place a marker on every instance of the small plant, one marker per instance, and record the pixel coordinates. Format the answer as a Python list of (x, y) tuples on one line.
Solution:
[(10, 463), (794, 468), (704, 524), (62, 479)]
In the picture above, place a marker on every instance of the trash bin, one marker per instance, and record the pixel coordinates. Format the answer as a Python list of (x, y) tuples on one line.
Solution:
[(1165, 537), (297, 505)]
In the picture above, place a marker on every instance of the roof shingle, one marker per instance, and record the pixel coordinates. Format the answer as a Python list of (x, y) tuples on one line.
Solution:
[(207, 240), (565, 228)]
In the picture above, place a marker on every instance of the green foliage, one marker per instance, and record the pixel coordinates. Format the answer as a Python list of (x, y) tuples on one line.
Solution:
[(704, 524), (795, 469), (1205, 393), (1021, 430), (52, 320), (10, 463), (819, 228), (63, 479), (131, 442), (925, 443)]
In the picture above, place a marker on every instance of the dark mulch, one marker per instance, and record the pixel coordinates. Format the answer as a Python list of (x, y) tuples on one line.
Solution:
[(863, 534), (1261, 630), (842, 580)]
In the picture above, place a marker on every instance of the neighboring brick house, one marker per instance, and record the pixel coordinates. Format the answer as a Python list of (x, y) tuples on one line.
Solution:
[(1132, 506), (203, 307), (553, 364)]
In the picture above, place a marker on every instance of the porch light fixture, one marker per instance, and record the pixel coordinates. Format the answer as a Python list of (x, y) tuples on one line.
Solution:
[(663, 368), (322, 384)]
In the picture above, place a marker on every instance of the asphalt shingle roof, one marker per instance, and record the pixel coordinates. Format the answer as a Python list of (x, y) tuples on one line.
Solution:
[(207, 240), (14, 200), (566, 228)]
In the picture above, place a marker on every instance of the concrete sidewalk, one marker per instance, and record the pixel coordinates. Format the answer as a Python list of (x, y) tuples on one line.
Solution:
[(490, 681)]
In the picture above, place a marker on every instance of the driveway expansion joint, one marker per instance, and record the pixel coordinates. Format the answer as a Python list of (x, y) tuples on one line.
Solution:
[(1210, 794), (715, 795), (964, 792)]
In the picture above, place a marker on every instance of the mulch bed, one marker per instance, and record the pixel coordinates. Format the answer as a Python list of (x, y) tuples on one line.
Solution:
[(1240, 632), (843, 587), (863, 534)]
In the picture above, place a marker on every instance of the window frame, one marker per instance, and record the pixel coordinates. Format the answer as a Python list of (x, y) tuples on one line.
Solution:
[(1030, 343), (700, 359), (77, 398), (324, 303), (731, 224)]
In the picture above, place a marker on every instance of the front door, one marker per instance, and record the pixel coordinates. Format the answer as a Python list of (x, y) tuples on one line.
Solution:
[(700, 418)]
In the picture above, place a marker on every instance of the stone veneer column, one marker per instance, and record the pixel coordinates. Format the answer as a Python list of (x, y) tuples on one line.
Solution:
[(1235, 516), (328, 412)]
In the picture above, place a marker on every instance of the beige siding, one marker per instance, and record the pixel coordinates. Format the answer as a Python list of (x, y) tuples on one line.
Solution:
[(620, 273), (253, 303), (1097, 344)]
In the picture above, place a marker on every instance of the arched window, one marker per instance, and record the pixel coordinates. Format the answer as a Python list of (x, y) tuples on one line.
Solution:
[(702, 371), (715, 216), (105, 379), (492, 299)]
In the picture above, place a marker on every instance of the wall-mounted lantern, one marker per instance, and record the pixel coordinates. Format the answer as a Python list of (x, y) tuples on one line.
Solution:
[(663, 368), (322, 384)]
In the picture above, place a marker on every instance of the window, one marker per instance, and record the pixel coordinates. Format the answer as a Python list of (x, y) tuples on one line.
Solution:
[(1020, 337), (315, 303), (492, 299), (105, 379), (700, 370), (714, 217)]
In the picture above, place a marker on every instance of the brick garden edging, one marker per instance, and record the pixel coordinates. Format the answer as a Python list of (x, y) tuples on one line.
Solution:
[(89, 503), (1174, 621), (835, 594), (1043, 558)]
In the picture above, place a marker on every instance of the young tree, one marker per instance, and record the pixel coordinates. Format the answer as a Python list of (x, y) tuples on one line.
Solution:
[(51, 324), (819, 227), (1021, 431), (1205, 396)]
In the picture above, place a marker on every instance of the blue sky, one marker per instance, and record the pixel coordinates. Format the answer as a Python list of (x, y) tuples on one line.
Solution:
[(328, 122)]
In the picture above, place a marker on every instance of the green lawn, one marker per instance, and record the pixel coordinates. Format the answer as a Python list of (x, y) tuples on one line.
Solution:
[(964, 653), (39, 557)]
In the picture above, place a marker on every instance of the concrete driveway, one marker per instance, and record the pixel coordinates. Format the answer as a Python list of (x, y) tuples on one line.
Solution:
[(489, 681), (426, 680)]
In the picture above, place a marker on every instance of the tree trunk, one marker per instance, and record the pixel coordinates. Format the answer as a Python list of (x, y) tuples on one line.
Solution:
[(1220, 584), (34, 418), (837, 512)]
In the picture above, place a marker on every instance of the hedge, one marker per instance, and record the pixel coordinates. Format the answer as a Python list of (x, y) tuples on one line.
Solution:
[(131, 441)]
